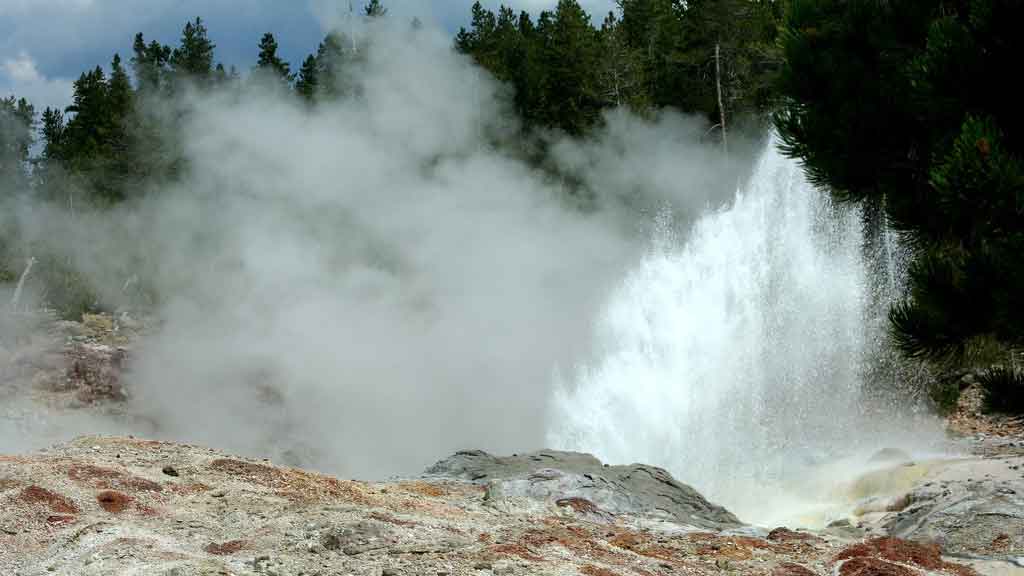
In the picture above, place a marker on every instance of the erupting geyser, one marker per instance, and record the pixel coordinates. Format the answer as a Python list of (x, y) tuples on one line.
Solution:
[(735, 357)]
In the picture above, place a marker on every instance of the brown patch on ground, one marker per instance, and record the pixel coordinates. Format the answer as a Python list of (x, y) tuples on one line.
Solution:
[(188, 489), (540, 538), (55, 502), (225, 548), (484, 538), (730, 547), (113, 502), (1001, 542), (787, 535), (627, 541), (791, 569), (260, 474), (517, 550), (423, 489), (110, 479), (150, 443), (588, 545), (295, 485), (927, 556), (7, 484), (580, 505), (410, 505), (591, 570), (580, 542), (642, 545)]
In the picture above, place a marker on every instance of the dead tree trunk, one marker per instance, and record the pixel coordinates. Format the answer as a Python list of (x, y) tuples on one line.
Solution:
[(721, 106), (21, 283)]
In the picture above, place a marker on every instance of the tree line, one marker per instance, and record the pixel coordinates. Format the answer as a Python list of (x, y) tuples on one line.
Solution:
[(652, 54), (716, 58)]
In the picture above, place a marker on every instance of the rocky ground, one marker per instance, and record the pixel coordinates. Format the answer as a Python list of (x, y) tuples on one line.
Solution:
[(121, 505), (128, 506), (988, 434), (66, 364)]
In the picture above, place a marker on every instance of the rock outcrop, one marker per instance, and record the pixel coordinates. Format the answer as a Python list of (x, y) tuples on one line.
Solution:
[(971, 508), (581, 481)]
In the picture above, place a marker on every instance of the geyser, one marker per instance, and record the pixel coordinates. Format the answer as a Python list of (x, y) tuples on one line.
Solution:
[(736, 357)]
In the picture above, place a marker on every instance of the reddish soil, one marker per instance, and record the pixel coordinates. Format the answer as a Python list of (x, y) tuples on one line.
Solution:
[(55, 502)]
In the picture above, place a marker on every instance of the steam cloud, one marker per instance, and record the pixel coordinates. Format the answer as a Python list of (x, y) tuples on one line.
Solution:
[(366, 286)]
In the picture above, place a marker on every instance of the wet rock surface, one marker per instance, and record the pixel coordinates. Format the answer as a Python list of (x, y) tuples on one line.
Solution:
[(582, 482), (970, 506), (973, 510)]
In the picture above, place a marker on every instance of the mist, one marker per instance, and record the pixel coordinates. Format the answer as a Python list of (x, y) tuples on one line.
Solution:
[(367, 285)]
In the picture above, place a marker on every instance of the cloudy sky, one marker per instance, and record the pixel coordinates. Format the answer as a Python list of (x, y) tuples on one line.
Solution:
[(45, 44)]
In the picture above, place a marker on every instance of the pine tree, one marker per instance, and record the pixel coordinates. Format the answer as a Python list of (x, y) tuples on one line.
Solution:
[(570, 57), (120, 90), (941, 157), (653, 31), (374, 9), (17, 124), (475, 41), (53, 135), (621, 78), (330, 61), (51, 159), (268, 61), (193, 59), (307, 84), (87, 134), (149, 63), (122, 167)]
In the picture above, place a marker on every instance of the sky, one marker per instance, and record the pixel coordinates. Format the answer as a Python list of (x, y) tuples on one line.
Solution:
[(46, 44)]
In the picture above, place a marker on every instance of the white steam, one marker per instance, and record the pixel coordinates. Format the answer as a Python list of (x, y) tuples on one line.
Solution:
[(369, 285)]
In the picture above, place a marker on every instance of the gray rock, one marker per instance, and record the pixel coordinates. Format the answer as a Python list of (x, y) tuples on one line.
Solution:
[(356, 538), (971, 519), (577, 481)]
